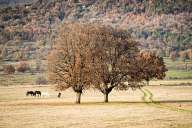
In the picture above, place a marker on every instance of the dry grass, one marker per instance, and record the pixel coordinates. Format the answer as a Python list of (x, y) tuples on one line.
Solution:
[(126, 109), (171, 93)]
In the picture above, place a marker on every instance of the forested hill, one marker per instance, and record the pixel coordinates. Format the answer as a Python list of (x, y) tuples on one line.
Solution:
[(164, 26), (14, 2)]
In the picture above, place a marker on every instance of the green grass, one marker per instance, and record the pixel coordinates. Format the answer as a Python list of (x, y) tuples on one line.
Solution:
[(176, 69), (173, 64), (179, 74), (27, 78), (18, 79)]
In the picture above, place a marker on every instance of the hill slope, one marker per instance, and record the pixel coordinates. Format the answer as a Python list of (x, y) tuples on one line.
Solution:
[(161, 25)]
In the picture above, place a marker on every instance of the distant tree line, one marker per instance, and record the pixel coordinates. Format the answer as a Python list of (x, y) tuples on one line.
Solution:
[(182, 55)]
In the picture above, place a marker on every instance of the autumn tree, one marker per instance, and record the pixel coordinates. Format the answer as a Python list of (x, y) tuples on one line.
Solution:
[(38, 62), (69, 62), (190, 54), (90, 55), (9, 69), (22, 66), (183, 55), (173, 55), (113, 55), (149, 66)]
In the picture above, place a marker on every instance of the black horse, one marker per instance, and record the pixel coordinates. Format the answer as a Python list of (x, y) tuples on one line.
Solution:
[(38, 93), (30, 93)]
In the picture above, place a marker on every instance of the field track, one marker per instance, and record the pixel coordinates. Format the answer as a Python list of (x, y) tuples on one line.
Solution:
[(148, 98)]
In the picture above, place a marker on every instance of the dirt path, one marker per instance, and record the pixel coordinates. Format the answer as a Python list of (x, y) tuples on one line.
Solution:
[(148, 98)]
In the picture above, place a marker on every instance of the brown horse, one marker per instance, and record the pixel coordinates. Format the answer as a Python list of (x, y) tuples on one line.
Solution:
[(30, 93), (38, 93)]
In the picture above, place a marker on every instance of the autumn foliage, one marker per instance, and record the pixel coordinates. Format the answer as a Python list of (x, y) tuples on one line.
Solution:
[(70, 61), (22, 66), (95, 56), (173, 55), (113, 57), (9, 69), (190, 54), (150, 66), (183, 55)]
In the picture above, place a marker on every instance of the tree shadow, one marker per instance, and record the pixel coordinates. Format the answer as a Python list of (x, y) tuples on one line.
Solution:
[(139, 102), (63, 103)]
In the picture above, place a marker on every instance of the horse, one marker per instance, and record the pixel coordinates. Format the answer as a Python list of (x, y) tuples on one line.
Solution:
[(30, 93), (38, 93)]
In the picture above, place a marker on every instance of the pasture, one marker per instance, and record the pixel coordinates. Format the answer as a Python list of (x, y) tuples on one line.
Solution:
[(153, 107)]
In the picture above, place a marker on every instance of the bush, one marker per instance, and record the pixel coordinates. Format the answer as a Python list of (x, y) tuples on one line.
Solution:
[(41, 80), (1, 69), (9, 69), (23, 67)]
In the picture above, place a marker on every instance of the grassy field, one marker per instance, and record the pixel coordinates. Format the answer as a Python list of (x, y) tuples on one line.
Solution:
[(27, 78), (127, 109), (19, 79), (179, 74), (177, 63), (171, 82), (155, 106), (176, 69)]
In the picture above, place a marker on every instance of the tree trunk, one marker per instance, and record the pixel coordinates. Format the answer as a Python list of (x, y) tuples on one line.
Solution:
[(186, 68), (106, 98), (78, 97), (147, 82)]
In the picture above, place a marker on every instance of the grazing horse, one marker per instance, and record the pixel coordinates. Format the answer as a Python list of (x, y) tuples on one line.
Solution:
[(38, 93), (30, 93)]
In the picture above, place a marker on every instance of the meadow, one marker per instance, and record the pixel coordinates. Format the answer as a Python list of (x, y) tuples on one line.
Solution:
[(152, 107), (163, 104), (176, 71)]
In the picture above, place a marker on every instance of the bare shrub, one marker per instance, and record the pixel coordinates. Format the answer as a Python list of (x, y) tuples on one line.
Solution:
[(41, 81), (9, 69), (22, 66)]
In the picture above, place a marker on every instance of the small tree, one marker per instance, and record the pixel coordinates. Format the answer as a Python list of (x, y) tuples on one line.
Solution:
[(41, 80), (69, 62), (150, 66), (183, 55), (9, 69), (173, 55), (190, 54), (38, 61), (22, 67)]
